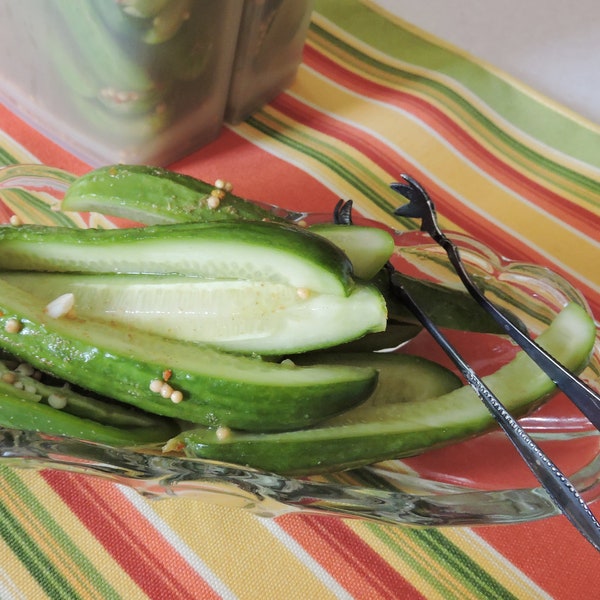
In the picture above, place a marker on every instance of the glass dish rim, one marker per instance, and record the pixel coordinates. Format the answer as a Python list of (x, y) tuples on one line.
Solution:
[(434, 503)]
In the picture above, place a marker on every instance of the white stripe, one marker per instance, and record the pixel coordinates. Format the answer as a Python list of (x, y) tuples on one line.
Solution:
[(17, 150), (8, 589), (306, 559), (190, 557)]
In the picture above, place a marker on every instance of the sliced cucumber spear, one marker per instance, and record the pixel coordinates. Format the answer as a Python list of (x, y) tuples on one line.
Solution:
[(153, 195), (402, 377), (254, 251), (375, 433), (368, 248), (236, 315), (253, 287), (203, 385)]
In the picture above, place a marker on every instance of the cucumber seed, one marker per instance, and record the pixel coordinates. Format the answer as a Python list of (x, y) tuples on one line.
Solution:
[(166, 390), (214, 200), (12, 325), (8, 377), (221, 184), (287, 362), (223, 433), (57, 401), (156, 385), (61, 306), (176, 397), (25, 369)]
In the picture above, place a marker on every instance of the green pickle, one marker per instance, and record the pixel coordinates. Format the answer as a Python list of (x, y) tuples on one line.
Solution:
[(311, 397), (369, 434), (154, 195)]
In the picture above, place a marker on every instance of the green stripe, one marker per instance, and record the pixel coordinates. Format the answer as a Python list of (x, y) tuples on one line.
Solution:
[(40, 565), (35, 562), (541, 121), (34, 208), (326, 154), (458, 565), (495, 135), (6, 158)]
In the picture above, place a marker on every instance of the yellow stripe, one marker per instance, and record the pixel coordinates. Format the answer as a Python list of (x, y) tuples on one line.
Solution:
[(38, 532), (13, 574), (281, 574), (374, 176), (578, 254), (498, 568), (404, 563), (59, 557)]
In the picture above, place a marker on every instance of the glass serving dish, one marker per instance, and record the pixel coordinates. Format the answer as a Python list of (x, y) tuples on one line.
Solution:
[(479, 481)]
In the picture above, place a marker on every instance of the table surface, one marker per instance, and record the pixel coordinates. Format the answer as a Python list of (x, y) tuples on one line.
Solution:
[(375, 96), (547, 44)]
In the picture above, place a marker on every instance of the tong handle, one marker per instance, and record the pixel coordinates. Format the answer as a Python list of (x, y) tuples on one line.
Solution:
[(561, 491), (421, 206), (582, 396)]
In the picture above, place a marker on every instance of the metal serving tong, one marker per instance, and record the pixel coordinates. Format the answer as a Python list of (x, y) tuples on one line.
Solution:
[(420, 206), (561, 491)]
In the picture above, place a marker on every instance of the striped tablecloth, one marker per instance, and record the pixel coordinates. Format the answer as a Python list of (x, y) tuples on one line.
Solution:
[(373, 98)]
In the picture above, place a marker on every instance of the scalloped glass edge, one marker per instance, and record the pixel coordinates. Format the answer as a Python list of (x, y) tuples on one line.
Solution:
[(390, 492)]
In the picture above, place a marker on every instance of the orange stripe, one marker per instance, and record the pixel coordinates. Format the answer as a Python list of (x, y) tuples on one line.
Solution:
[(361, 570), (134, 543), (558, 567), (453, 210), (565, 210)]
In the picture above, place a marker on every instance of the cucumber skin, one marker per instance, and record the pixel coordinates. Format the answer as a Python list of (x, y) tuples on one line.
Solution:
[(154, 195), (402, 377), (218, 388), (20, 413), (447, 307), (367, 435), (178, 249)]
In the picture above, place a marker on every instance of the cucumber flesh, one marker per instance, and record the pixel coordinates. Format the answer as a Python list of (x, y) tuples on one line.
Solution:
[(256, 251), (368, 248), (218, 388), (370, 434), (402, 377), (235, 315)]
